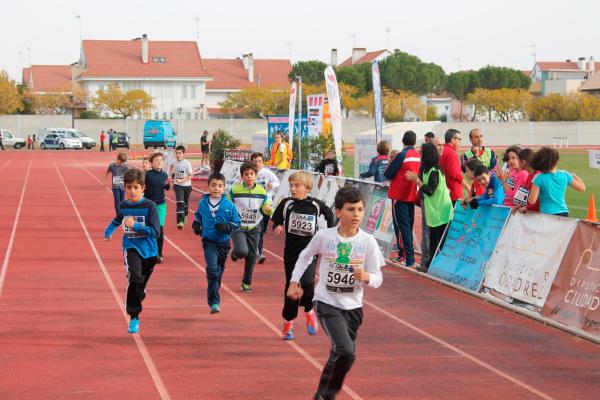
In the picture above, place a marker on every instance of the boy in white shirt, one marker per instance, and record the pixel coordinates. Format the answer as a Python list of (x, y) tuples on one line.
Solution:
[(181, 169), (349, 258), (267, 179)]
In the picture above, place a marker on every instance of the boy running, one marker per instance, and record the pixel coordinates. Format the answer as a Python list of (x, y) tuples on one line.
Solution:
[(267, 179), (215, 220), (252, 203), (298, 216), (182, 170), (156, 184), (139, 219), (349, 258), (117, 169)]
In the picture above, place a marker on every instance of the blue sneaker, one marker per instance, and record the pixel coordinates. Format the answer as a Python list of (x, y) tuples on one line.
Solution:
[(312, 326), (288, 330), (134, 325), (215, 309)]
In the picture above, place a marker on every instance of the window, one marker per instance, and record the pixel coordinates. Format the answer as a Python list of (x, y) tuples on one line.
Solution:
[(193, 92), (164, 115), (156, 115), (171, 117), (184, 92), (188, 115), (196, 117)]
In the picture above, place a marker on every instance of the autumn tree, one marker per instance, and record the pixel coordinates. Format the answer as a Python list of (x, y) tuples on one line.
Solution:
[(460, 84), (10, 98), (128, 104), (50, 103), (507, 104), (432, 114), (568, 107), (257, 102), (398, 105)]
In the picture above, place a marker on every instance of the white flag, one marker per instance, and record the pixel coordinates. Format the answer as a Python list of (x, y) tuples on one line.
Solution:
[(292, 113), (335, 109)]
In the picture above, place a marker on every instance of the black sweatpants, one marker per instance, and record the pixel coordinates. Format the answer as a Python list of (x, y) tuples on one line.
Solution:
[(182, 195), (138, 271), (436, 236), (342, 328), (245, 245), (307, 283), (160, 240)]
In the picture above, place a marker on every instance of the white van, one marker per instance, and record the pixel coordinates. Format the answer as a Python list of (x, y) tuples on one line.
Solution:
[(10, 140)]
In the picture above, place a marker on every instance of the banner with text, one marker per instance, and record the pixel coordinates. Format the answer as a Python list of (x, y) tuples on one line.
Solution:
[(314, 109), (377, 100), (472, 236), (292, 113), (335, 108), (574, 298), (527, 256)]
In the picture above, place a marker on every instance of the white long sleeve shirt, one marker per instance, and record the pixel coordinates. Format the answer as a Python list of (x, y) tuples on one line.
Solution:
[(266, 176), (337, 256)]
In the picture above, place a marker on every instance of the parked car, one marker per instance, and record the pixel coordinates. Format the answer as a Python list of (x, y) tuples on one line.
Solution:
[(159, 133), (61, 140), (86, 141), (122, 139), (10, 140)]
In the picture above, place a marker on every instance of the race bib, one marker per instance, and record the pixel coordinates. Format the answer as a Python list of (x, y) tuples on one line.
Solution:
[(339, 278), (329, 169), (302, 224), (117, 180), (521, 196), (249, 216), (180, 174), (510, 182), (129, 232)]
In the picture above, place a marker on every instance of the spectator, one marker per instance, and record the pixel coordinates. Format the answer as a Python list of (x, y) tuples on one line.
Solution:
[(102, 139), (281, 153), (205, 149), (476, 188), (450, 164), (512, 178), (428, 138), (404, 196), (34, 139), (379, 163), (436, 204), (493, 194), (520, 199), (439, 145), (328, 166), (110, 137), (485, 155), (551, 184), (29, 142)]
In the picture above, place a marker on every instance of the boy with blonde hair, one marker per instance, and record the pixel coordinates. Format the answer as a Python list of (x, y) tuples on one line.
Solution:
[(298, 216)]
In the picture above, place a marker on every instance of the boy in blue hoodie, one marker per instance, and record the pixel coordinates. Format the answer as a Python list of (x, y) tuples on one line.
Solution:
[(494, 192), (215, 220), (379, 163), (139, 218)]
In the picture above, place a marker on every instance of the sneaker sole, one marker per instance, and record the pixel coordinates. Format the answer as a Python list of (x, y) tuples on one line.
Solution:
[(262, 260), (311, 331)]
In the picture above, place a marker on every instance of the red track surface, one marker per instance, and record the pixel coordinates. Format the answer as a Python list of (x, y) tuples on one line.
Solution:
[(63, 334)]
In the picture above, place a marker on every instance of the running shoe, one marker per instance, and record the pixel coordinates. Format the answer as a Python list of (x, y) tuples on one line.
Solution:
[(180, 226), (288, 330), (233, 258), (312, 326), (246, 288), (134, 325), (159, 259), (215, 309), (262, 258)]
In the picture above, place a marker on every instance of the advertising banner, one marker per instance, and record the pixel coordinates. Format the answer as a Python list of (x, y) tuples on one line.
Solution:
[(574, 298), (280, 123), (314, 104), (378, 218), (527, 256), (335, 108), (377, 99), (471, 239), (231, 172), (365, 148), (292, 113)]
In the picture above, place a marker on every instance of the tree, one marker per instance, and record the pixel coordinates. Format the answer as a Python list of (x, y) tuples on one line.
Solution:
[(50, 103), (310, 71), (10, 98), (491, 77), (432, 114), (221, 141), (88, 114), (569, 107), (257, 102), (506, 103), (404, 72), (460, 84), (128, 104), (397, 105), (353, 77)]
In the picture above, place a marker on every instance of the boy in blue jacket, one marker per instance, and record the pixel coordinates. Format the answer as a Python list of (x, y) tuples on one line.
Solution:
[(139, 218), (215, 220), (494, 192), (379, 163)]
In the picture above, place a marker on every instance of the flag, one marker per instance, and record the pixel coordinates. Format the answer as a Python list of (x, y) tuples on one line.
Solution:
[(292, 113), (377, 99), (335, 109)]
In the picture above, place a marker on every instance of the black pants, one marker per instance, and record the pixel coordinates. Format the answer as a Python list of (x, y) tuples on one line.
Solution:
[(245, 245), (342, 328), (307, 283), (182, 195), (160, 240), (138, 271), (102, 145), (1, 145), (435, 237)]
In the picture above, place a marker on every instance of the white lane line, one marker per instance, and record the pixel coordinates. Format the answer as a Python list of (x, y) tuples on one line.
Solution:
[(160, 386), (455, 349), (262, 318), (256, 313), (5, 164), (14, 229)]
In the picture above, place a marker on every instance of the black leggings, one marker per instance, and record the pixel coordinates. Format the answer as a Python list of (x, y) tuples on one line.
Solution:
[(138, 271), (182, 195)]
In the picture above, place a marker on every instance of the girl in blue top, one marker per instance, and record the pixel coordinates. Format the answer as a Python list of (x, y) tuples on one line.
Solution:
[(551, 184)]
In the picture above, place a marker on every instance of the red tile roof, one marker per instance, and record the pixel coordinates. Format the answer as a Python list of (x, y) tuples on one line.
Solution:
[(123, 58), (563, 65), (230, 73), (369, 57), (47, 78)]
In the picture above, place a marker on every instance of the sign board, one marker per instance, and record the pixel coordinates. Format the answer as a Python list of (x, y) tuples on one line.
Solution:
[(595, 159)]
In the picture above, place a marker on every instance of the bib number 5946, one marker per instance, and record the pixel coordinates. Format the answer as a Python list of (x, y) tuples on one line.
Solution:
[(337, 278)]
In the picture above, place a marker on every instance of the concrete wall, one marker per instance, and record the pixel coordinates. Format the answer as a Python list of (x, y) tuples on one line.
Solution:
[(189, 131)]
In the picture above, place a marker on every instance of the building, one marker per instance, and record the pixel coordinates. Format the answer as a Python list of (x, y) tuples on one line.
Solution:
[(591, 86), (360, 56), (562, 77)]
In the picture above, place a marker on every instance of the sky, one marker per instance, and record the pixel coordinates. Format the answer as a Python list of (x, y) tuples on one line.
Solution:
[(456, 34)]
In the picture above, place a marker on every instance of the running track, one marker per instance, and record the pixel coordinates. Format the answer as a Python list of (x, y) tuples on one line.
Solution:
[(63, 330)]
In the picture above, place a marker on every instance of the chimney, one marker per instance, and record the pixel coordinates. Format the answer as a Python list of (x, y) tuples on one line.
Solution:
[(581, 63), (250, 68), (334, 60), (76, 70), (145, 49), (245, 61), (358, 53), (591, 67)]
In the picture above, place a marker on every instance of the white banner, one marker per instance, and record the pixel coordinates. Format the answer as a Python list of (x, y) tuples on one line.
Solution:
[(292, 113), (314, 104), (527, 256), (377, 100), (335, 109)]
